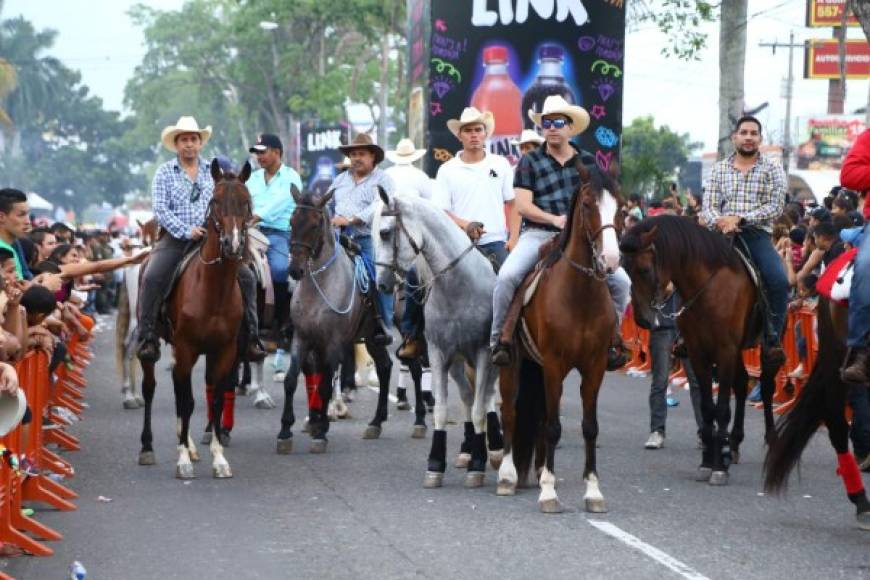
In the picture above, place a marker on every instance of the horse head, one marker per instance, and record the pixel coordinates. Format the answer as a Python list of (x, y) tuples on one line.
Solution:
[(309, 226), (639, 260), (230, 210), (598, 202), (396, 245)]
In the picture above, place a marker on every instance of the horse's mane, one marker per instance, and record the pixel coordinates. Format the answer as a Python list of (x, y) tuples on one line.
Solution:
[(680, 241)]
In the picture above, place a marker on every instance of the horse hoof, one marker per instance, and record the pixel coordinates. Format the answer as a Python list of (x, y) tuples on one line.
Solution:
[(719, 478), (703, 474), (194, 455), (551, 506), (419, 432), (495, 458), (462, 460), (184, 471), (206, 438), (372, 432), (147, 458), (221, 471), (433, 479), (403, 406), (596, 506), (130, 404), (506, 488), (474, 479), (864, 521), (735, 457), (285, 446), (306, 427), (224, 439), (318, 446), (241, 392)]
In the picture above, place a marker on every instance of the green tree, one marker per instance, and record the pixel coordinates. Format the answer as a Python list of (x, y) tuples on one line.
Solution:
[(679, 20), (651, 156)]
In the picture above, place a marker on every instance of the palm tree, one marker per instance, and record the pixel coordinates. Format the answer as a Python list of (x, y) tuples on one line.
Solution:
[(8, 82)]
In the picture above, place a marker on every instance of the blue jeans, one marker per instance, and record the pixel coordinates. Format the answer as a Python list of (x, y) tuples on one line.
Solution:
[(385, 300), (661, 343), (278, 253), (412, 318), (859, 296), (495, 251), (859, 400), (773, 275)]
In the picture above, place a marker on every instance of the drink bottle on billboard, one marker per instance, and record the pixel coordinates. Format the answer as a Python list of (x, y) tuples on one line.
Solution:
[(498, 94), (549, 81)]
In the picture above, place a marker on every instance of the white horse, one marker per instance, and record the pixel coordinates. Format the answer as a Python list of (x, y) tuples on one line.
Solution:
[(459, 281)]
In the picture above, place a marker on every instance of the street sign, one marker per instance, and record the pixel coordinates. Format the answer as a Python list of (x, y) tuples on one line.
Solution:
[(822, 13), (822, 59)]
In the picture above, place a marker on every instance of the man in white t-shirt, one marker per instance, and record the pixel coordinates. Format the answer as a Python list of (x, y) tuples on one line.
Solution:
[(409, 179), (474, 187)]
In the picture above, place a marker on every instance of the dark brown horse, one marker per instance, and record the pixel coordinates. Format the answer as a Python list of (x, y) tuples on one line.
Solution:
[(822, 401), (718, 320), (570, 319), (204, 316)]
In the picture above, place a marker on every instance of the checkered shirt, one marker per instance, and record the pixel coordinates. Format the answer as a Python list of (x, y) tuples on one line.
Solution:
[(551, 183), (758, 197), (171, 198)]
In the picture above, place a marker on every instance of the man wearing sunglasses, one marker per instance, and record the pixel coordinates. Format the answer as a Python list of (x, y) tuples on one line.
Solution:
[(180, 192), (544, 183)]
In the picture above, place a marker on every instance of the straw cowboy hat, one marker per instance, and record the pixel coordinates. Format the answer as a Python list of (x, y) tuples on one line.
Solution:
[(183, 125), (405, 153), (470, 116), (363, 141), (557, 105), (528, 136)]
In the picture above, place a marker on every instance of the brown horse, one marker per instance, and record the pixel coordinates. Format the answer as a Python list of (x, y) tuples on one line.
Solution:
[(822, 401), (718, 320), (570, 319), (204, 315)]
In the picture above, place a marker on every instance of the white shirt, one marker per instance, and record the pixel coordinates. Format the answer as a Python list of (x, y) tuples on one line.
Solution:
[(477, 192), (409, 179)]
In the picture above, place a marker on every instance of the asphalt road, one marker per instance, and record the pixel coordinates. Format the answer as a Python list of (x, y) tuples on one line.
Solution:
[(360, 511)]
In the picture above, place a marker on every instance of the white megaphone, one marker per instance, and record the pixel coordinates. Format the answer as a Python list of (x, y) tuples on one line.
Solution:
[(12, 409)]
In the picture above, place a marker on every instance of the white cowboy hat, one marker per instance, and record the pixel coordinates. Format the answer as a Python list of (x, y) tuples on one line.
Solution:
[(528, 136), (12, 408), (557, 105), (183, 125), (469, 116), (405, 153)]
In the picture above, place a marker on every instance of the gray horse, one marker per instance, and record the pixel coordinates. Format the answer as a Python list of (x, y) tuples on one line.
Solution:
[(328, 314), (459, 282)]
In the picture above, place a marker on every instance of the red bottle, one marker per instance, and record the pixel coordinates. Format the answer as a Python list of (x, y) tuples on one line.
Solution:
[(498, 94)]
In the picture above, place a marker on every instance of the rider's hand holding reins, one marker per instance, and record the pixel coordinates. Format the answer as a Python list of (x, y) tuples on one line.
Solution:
[(728, 224), (196, 233), (340, 221), (475, 230)]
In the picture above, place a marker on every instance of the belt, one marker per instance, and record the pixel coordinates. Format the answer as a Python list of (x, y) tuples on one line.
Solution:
[(266, 229)]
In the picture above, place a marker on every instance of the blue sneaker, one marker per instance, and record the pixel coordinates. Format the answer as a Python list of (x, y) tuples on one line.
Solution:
[(755, 394)]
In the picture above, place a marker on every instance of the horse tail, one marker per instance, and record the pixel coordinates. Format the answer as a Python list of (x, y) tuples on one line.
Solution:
[(529, 413), (795, 429)]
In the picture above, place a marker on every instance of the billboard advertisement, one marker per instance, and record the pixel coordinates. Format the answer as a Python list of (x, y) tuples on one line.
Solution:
[(506, 57), (318, 153), (822, 59), (827, 140), (824, 13)]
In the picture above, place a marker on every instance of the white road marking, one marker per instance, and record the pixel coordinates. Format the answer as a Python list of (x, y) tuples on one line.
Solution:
[(393, 398), (648, 550)]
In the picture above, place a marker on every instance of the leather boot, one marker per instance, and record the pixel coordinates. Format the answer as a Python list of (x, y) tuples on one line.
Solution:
[(410, 349), (854, 370)]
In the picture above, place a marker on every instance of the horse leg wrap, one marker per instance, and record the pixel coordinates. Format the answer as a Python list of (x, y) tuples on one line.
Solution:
[(438, 453), (312, 386), (478, 453), (229, 411), (467, 441), (847, 468), (493, 431)]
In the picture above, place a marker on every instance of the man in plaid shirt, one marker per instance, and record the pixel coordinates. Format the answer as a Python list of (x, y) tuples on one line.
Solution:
[(181, 192), (745, 193)]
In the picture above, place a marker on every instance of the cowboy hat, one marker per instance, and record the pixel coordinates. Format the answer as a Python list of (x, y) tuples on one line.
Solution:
[(557, 105), (405, 153), (363, 141), (12, 408), (528, 136), (469, 116), (183, 125)]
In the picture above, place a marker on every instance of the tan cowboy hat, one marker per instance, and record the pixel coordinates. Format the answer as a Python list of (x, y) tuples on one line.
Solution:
[(470, 116), (557, 105), (183, 125), (363, 141), (528, 136), (405, 153)]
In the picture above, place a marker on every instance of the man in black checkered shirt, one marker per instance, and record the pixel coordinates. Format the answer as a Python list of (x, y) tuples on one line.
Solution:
[(544, 183)]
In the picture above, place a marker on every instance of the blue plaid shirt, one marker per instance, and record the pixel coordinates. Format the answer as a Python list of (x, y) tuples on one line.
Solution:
[(180, 204), (354, 199)]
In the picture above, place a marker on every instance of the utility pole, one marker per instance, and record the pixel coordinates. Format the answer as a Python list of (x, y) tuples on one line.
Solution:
[(789, 91)]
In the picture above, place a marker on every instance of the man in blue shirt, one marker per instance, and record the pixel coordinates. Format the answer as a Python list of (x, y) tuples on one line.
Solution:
[(273, 205), (181, 192)]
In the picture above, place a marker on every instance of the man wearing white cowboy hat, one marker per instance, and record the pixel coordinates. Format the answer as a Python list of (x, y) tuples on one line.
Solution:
[(546, 179), (180, 194), (529, 141), (475, 185)]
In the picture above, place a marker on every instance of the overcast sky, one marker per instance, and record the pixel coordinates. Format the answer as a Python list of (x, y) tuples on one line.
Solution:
[(97, 38)]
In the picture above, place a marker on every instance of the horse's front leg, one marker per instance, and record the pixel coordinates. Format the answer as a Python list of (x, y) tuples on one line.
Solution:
[(384, 367), (507, 471), (589, 388), (146, 454), (415, 369), (548, 501), (318, 385), (288, 418), (219, 369), (437, 463), (184, 403)]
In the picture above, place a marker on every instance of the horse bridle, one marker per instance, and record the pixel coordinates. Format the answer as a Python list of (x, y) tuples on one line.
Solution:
[(210, 218), (313, 250), (598, 271)]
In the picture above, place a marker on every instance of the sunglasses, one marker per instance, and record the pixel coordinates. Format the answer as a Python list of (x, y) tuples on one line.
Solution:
[(554, 123), (194, 192)]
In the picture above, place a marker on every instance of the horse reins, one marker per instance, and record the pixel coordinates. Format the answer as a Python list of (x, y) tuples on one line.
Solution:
[(209, 218), (659, 305), (596, 271)]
